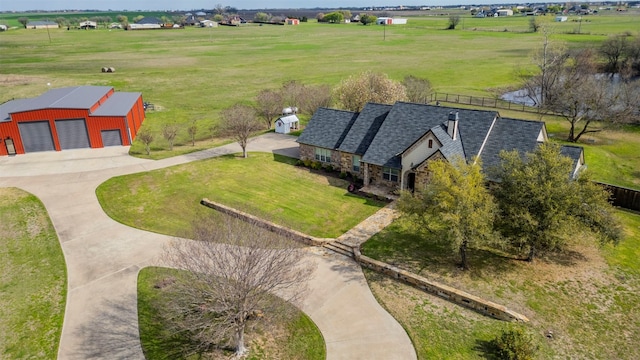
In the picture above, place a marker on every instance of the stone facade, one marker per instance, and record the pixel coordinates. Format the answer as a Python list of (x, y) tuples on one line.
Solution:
[(375, 177), (346, 165), (308, 152)]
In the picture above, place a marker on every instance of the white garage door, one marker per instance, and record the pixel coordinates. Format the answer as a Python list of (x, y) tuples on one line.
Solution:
[(36, 136), (111, 138), (72, 134)]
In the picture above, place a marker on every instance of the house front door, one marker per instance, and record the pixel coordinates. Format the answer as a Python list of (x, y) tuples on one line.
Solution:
[(411, 181)]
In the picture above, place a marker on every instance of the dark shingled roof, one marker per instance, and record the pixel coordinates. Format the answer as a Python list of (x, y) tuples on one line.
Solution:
[(575, 153), (406, 123), (450, 148), (510, 134), (78, 97), (118, 104), (365, 128), (327, 128)]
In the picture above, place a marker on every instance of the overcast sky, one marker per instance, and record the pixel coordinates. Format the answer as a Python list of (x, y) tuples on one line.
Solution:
[(21, 5)]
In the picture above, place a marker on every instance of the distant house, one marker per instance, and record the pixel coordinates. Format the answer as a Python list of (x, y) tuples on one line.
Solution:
[(208, 23), (504, 12), (390, 21), (42, 25), (292, 21), (146, 24), (286, 123), (88, 25), (390, 146), (561, 18), (3, 27), (191, 20)]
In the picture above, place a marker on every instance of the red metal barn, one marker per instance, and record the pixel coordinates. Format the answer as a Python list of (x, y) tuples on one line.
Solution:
[(70, 118)]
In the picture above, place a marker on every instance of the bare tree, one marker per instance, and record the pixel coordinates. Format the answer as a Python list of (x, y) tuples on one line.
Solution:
[(23, 21), (418, 90), (269, 105), (292, 93), (193, 130), (169, 132), (590, 102), (234, 271), (454, 20), (240, 122), (613, 49), (314, 97), (146, 138), (357, 90)]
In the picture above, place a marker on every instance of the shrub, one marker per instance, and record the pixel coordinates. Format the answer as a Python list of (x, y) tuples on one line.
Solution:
[(515, 344), (307, 162), (299, 162), (316, 165), (343, 175), (328, 168)]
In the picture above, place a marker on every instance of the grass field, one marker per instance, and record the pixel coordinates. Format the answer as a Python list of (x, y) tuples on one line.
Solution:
[(33, 282), (167, 200), (294, 338), (191, 74), (586, 297)]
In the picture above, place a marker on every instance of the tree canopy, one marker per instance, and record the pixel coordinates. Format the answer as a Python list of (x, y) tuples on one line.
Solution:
[(455, 204), (357, 90), (540, 204)]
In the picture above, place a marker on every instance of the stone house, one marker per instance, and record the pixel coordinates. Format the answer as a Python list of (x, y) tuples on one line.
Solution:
[(391, 145)]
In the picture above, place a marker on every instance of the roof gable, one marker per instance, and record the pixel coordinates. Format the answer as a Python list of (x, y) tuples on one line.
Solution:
[(327, 128), (118, 104)]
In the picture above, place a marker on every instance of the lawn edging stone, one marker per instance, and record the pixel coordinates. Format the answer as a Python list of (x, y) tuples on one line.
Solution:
[(448, 293), (268, 225)]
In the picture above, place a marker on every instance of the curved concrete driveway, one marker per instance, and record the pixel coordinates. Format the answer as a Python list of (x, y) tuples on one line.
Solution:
[(103, 259)]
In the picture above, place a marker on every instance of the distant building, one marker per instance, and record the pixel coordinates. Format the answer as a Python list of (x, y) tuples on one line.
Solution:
[(42, 25), (390, 21), (504, 12)]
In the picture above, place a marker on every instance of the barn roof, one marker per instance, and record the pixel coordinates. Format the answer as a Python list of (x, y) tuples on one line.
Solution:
[(118, 104), (78, 97)]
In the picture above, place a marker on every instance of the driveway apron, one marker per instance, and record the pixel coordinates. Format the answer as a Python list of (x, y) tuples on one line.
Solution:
[(104, 257)]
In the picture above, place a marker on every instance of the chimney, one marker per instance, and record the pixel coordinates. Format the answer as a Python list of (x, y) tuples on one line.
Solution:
[(452, 125)]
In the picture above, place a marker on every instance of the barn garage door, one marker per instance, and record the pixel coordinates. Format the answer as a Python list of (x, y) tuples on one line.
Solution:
[(111, 138), (36, 136), (72, 134)]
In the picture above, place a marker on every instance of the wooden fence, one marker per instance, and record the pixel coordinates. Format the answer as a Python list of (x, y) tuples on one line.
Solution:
[(623, 197)]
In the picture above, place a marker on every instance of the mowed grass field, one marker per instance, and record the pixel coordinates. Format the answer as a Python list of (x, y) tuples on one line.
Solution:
[(193, 73), (33, 281)]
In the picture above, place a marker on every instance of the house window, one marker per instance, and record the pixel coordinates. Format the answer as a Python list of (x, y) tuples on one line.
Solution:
[(430, 143), (323, 155), (390, 174), (356, 163)]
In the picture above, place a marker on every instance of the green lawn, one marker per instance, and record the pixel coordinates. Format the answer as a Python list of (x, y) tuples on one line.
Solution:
[(294, 338), (265, 185), (585, 296), (33, 280)]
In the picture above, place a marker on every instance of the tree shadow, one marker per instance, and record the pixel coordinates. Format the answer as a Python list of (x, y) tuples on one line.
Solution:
[(112, 334), (486, 349), (566, 257), (283, 158)]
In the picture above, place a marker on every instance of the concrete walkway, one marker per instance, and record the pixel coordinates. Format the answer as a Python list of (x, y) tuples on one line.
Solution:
[(369, 226), (103, 259)]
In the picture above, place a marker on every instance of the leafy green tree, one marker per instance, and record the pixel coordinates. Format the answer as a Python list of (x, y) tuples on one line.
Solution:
[(123, 20), (333, 17), (261, 17), (541, 204), (23, 20), (357, 90), (515, 344), (455, 204), (366, 19)]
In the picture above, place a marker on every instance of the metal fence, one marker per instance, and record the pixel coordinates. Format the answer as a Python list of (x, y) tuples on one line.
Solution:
[(480, 101)]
